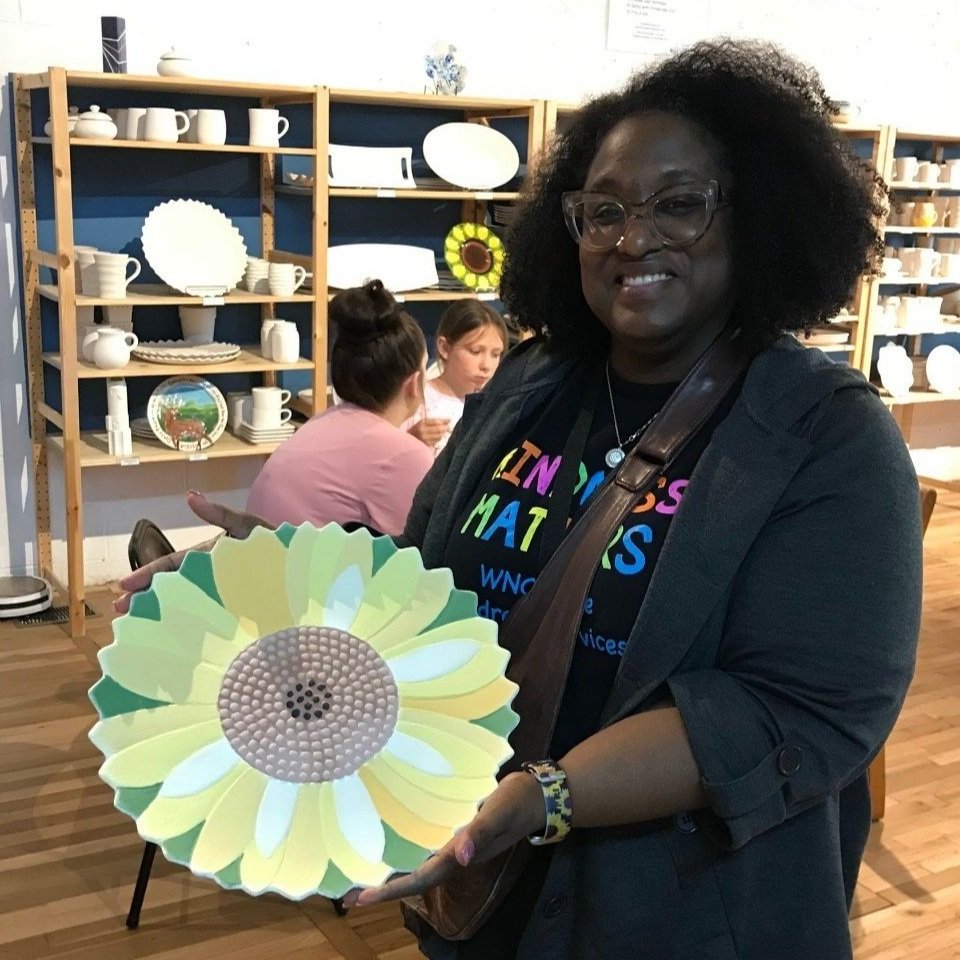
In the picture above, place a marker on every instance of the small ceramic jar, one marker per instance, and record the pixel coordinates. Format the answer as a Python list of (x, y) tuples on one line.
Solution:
[(73, 114), (174, 64), (95, 125)]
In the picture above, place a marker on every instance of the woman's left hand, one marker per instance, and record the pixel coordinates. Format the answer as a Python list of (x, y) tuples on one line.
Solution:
[(514, 811)]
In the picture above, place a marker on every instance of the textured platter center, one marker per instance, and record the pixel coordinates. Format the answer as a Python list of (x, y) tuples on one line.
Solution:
[(308, 704)]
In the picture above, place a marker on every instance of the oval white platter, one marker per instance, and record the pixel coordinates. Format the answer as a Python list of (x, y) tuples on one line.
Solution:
[(470, 155), (194, 247)]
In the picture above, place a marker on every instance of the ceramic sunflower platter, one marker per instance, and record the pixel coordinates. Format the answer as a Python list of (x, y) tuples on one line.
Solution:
[(304, 711)]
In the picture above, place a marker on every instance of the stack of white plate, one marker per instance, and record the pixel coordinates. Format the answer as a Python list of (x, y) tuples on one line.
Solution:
[(23, 596), (141, 428), (503, 214), (182, 351), (270, 435)]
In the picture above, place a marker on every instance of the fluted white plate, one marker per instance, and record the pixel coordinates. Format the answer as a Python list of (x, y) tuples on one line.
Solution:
[(470, 155), (194, 247)]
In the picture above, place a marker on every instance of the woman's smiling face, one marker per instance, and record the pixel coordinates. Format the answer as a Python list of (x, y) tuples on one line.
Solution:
[(661, 304)]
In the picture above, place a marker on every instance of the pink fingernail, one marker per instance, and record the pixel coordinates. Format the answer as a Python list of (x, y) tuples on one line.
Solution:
[(466, 853)]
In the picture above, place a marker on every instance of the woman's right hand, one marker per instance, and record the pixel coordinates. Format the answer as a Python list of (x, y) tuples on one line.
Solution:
[(235, 523)]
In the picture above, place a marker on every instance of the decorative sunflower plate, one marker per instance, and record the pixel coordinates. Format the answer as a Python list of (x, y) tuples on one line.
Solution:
[(474, 254), (304, 711)]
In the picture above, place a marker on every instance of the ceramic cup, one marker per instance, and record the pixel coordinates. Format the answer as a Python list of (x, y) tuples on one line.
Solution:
[(135, 120), (86, 271), (197, 323), (919, 261), (238, 409), (285, 278), (210, 127), (164, 124), (285, 342), (112, 276), (190, 134), (256, 276), (891, 267), (266, 127), (950, 172), (268, 411), (950, 265), (905, 169), (928, 172)]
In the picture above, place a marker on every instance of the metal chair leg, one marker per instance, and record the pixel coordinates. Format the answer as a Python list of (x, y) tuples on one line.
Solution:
[(139, 891)]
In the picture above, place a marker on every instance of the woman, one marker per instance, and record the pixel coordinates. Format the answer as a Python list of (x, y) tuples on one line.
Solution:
[(729, 680), (352, 463), (471, 339)]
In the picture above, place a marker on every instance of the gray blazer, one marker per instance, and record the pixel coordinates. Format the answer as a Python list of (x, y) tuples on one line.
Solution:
[(782, 619)]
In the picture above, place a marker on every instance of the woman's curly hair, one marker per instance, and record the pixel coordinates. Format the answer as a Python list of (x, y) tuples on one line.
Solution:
[(807, 212)]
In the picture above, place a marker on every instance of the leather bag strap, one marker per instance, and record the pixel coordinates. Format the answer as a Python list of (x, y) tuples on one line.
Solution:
[(540, 628)]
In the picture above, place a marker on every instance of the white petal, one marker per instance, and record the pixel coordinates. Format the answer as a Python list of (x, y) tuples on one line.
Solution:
[(418, 754), (359, 822), (344, 598), (275, 815), (434, 661), (201, 770)]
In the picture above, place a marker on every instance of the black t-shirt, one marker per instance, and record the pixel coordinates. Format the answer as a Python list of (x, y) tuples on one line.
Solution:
[(497, 550)]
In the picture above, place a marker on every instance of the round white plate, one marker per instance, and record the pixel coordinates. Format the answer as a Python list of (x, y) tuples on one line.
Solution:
[(943, 369), (187, 413), (470, 155), (398, 265), (194, 247), (180, 351)]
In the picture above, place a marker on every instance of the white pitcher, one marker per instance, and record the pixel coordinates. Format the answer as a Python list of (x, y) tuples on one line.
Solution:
[(109, 348)]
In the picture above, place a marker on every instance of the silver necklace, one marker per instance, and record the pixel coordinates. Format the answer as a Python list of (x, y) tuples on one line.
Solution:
[(616, 455)]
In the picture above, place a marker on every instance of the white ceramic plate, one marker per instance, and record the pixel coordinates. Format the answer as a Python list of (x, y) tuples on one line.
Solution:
[(399, 266), (370, 166), (943, 369), (187, 413), (141, 429), (194, 247), (180, 351), (272, 435), (470, 155)]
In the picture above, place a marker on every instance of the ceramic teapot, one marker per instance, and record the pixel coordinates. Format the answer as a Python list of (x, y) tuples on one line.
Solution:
[(174, 64), (95, 125), (108, 347)]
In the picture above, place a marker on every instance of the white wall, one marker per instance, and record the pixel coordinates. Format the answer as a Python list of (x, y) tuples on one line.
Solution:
[(900, 67)]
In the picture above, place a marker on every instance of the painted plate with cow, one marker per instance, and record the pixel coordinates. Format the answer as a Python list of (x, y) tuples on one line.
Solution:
[(187, 413)]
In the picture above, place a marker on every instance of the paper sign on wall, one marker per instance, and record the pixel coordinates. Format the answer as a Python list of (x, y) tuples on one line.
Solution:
[(654, 26)]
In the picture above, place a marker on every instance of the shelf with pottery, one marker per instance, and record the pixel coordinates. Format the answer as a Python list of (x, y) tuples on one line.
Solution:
[(251, 360), (93, 450), (180, 146), (915, 396), (937, 186), (389, 193), (158, 295), (921, 231), (898, 281)]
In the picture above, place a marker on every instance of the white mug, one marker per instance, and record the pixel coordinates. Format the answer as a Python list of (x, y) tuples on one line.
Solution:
[(919, 261), (905, 169), (928, 172), (197, 323), (239, 405), (891, 267), (112, 278), (950, 265), (86, 272), (190, 134), (266, 127), (285, 278), (211, 127), (135, 120), (950, 172), (264, 419), (164, 124), (270, 398), (285, 343), (255, 277)]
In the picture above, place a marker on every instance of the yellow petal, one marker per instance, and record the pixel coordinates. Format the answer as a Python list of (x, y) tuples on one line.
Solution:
[(484, 668), (147, 762), (230, 824), (401, 819), (176, 592), (467, 789), (348, 558), (168, 817), (472, 750), (125, 729), (393, 640), (160, 674), (468, 706), (251, 579), (353, 866), (305, 857)]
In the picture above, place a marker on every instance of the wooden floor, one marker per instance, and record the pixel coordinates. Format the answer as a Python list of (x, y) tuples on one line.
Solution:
[(68, 859)]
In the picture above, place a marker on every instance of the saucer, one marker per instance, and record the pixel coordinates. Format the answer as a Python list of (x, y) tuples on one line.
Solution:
[(265, 434)]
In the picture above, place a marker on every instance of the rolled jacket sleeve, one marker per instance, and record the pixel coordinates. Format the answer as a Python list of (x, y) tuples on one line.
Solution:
[(820, 630)]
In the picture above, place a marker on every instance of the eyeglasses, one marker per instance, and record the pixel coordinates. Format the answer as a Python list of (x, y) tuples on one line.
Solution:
[(677, 215)]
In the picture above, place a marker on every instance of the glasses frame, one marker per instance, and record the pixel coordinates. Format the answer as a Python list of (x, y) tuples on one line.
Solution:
[(711, 189)]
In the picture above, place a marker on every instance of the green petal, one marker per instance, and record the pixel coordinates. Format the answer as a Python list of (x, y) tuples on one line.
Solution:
[(111, 699), (503, 722), (197, 567)]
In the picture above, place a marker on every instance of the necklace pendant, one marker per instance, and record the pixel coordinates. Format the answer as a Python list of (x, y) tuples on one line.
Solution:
[(614, 457)]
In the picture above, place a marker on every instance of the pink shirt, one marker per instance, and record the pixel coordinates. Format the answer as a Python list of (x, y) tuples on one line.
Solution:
[(345, 464)]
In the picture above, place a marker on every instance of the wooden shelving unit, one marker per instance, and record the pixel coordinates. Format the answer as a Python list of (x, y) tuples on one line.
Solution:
[(82, 449)]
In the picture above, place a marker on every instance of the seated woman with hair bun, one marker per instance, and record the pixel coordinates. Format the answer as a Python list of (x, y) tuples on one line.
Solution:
[(352, 464)]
